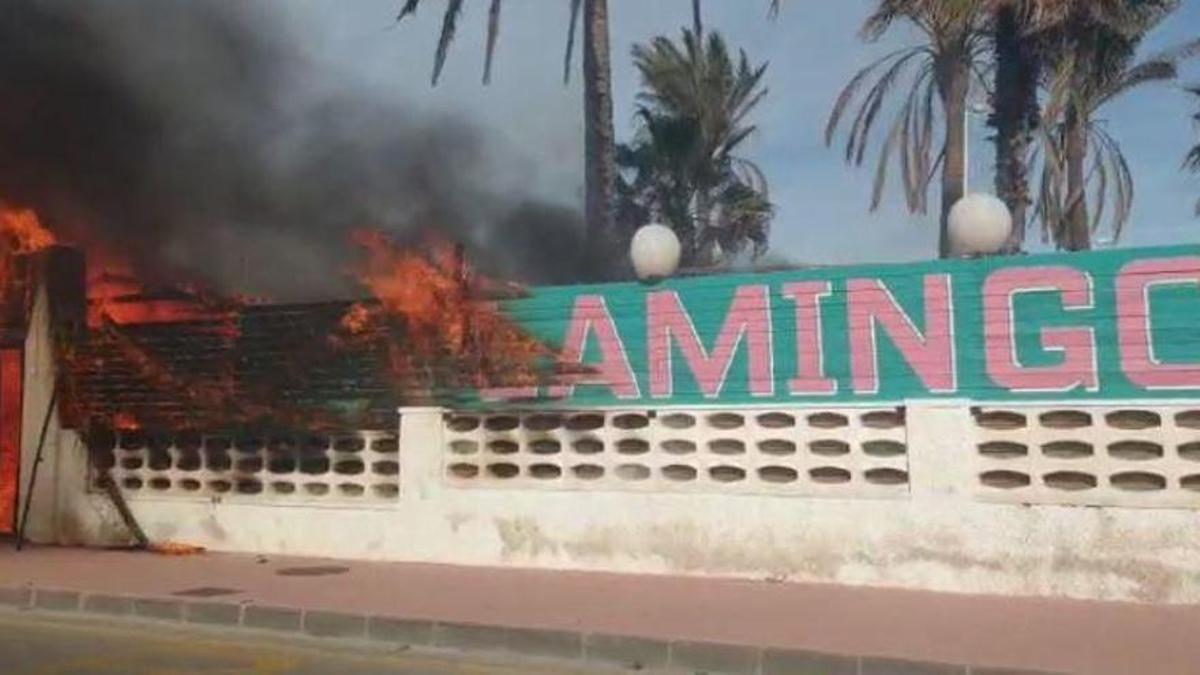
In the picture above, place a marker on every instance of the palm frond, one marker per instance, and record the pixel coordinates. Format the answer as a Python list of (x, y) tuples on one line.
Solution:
[(1109, 155), (949, 24), (1060, 92), (1138, 75), (1051, 202), (885, 155), (752, 175), (449, 26), (882, 19), (572, 25), (410, 7), (1192, 161), (493, 32), (1108, 189), (848, 93), (1184, 51), (910, 136), (1097, 178)]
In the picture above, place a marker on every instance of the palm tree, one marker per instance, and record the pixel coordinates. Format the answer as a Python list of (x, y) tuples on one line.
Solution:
[(599, 137), (653, 181), (1016, 111), (1021, 31), (1092, 62), (1192, 161), (685, 167), (944, 66)]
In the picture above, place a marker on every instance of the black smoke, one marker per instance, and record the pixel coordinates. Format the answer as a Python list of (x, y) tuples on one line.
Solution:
[(195, 137)]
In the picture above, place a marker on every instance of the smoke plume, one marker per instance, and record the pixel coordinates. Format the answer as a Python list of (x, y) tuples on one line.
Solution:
[(194, 138)]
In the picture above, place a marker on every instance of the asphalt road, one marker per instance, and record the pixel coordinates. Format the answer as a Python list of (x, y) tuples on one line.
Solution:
[(48, 645)]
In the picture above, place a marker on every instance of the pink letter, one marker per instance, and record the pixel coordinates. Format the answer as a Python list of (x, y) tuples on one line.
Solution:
[(810, 354), (1078, 345), (1134, 284), (749, 315), (931, 356), (591, 315)]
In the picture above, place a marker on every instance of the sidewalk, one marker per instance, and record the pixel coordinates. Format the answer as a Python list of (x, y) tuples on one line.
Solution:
[(697, 624)]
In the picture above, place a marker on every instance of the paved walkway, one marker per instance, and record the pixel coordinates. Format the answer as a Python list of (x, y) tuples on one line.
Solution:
[(686, 614)]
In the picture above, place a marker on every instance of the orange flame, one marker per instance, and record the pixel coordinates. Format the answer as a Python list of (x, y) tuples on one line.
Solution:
[(439, 327), (116, 294), (174, 548), (125, 421), (23, 231)]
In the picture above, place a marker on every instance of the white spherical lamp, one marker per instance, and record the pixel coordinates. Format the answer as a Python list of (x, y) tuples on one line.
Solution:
[(979, 225), (655, 252)]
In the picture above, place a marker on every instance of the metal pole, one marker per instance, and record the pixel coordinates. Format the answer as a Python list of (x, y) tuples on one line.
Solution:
[(966, 149), (37, 460)]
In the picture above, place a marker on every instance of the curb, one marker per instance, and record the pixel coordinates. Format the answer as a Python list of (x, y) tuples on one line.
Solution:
[(576, 647)]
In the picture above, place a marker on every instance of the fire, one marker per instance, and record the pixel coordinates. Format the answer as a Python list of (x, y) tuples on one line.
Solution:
[(427, 290), (174, 548), (125, 421), (357, 320), (431, 326), (23, 231), (116, 294), (440, 331)]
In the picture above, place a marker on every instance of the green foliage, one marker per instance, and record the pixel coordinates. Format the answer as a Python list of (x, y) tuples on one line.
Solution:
[(683, 166)]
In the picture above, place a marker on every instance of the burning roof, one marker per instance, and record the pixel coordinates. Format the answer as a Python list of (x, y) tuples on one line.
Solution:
[(273, 365), (182, 358)]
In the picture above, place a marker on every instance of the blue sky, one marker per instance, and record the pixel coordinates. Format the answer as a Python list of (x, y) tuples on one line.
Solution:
[(534, 122)]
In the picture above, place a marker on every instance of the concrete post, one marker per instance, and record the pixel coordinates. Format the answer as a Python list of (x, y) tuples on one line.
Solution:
[(63, 510), (37, 390), (940, 457), (421, 453)]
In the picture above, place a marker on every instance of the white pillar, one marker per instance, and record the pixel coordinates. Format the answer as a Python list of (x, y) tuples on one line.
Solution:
[(941, 459), (422, 452), (37, 388)]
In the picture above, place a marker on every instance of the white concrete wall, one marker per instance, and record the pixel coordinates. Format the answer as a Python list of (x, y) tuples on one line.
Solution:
[(62, 510), (938, 535)]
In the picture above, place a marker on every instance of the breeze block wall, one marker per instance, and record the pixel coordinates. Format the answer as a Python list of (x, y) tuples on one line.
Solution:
[(1023, 426)]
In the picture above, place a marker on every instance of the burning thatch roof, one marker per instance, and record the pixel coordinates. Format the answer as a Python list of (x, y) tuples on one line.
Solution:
[(274, 365)]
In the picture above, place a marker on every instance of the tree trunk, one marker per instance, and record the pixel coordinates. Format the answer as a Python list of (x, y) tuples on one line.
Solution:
[(1076, 235), (1015, 116), (703, 247), (697, 21), (599, 142), (953, 83)]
